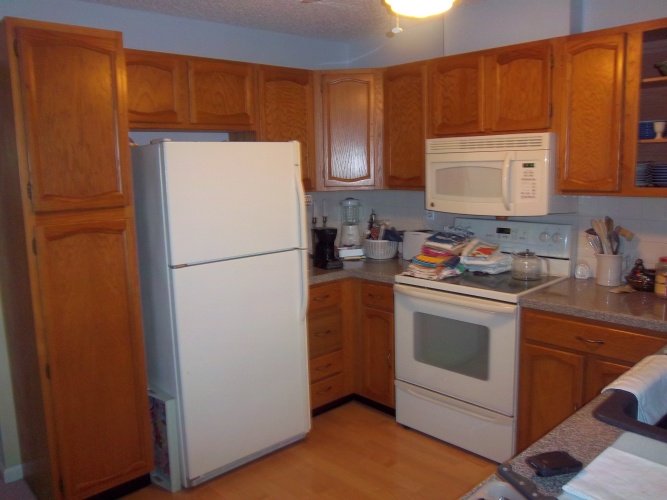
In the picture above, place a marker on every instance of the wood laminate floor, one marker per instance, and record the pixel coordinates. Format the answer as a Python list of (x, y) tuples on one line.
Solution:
[(352, 452)]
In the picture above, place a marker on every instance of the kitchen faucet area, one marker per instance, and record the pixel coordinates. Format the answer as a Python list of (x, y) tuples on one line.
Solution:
[(333, 249)]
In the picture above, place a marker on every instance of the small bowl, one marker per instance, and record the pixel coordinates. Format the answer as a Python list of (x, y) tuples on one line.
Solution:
[(643, 282), (380, 249), (662, 67)]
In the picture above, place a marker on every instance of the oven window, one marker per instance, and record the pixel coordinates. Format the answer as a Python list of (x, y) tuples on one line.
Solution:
[(452, 345)]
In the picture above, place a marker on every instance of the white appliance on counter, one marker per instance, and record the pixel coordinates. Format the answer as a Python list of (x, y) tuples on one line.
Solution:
[(223, 255), (457, 341), (494, 175)]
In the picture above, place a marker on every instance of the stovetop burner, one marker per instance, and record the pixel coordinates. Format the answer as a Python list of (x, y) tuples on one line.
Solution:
[(500, 287), (502, 282)]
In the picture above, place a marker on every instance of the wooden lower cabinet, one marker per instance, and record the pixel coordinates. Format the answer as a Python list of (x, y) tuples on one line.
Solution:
[(325, 344), (565, 362), (376, 366), (351, 342)]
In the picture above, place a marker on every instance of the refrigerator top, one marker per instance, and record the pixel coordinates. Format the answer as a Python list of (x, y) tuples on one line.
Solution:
[(225, 200)]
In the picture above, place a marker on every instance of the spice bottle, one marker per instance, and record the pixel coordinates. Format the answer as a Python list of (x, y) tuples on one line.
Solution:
[(661, 278)]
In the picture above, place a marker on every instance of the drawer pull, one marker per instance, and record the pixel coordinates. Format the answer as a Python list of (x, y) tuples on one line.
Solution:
[(323, 334), (326, 389), (324, 368), (321, 298), (590, 341)]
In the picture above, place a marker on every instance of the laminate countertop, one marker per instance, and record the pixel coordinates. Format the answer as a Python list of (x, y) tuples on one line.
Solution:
[(586, 299), (382, 271)]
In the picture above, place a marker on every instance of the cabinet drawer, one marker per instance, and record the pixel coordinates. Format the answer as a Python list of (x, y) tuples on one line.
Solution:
[(380, 296), (590, 337), (324, 333), (324, 296), (325, 366), (327, 390)]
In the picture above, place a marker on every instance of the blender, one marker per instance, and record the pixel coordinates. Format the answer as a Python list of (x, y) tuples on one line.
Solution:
[(350, 235)]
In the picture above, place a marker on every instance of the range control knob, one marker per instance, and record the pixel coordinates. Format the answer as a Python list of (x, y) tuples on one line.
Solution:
[(557, 238), (544, 236)]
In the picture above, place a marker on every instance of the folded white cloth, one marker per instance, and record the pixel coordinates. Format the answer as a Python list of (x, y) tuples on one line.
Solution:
[(618, 475), (647, 380), (494, 264)]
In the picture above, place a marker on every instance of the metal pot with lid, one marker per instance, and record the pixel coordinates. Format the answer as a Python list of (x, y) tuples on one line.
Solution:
[(527, 266)]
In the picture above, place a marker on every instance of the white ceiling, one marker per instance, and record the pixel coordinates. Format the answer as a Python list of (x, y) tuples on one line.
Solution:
[(327, 19)]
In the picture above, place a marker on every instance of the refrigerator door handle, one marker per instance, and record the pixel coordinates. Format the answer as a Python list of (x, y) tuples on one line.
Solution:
[(301, 196), (303, 236), (305, 289)]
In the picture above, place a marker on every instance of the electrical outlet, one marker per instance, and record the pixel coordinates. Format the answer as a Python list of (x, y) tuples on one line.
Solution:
[(309, 200), (430, 215)]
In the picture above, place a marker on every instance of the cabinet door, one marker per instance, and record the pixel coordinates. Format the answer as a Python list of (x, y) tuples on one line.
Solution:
[(377, 365), (75, 117), (404, 125), (591, 113), (518, 81), (222, 94), (599, 374), (550, 390), (456, 90), (88, 286), (351, 129), (157, 89), (286, 113)]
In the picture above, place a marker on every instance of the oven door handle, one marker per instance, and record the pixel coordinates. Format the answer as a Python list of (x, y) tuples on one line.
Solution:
[(455, 300)]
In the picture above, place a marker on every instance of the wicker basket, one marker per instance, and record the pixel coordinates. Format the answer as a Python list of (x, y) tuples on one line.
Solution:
[(380, 249)]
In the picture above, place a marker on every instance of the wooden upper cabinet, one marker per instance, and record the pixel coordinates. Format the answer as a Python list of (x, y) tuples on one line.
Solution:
[(456, 92), (351, 129), (89, 290), (286, 112), (75, 116), (157, 88), (405, 104), (591, 112), (518, 86), (222, 93), (498, 90), (170, 91)]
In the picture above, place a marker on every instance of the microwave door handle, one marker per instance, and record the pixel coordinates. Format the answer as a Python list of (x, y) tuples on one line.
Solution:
[(505, 181)]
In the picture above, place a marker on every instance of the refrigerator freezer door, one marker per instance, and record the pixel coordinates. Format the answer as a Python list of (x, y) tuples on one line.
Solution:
[(242, 358), (231, 199)]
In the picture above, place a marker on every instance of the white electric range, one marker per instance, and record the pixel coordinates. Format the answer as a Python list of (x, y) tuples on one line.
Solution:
[(457, 341)]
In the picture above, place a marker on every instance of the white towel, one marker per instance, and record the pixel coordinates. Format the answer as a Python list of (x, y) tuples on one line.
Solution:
[(647, 380), (618, 475)]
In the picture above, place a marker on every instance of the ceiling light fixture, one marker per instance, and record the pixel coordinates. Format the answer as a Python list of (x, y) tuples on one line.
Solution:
[(419, 8)]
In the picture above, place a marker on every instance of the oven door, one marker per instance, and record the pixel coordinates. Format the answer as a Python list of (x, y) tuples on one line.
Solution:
[(462, 347)]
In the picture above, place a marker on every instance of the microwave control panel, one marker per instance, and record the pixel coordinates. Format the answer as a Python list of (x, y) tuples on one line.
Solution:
[(528, 181)]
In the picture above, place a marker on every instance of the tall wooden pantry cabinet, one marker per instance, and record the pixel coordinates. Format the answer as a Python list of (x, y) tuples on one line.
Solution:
[(68, 265)]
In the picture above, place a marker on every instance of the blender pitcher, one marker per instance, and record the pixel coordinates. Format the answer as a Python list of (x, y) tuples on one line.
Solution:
[(349, 233)]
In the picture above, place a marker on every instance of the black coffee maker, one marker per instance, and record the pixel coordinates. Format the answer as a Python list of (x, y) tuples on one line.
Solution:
[(324, 255)]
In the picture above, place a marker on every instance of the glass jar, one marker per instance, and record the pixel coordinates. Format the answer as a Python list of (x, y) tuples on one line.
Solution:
[(660, 288)]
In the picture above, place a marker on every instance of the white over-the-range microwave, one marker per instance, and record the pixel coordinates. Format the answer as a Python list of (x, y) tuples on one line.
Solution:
[(494, 175)]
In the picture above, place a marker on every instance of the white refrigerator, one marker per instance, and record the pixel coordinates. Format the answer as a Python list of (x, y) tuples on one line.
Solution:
[(221, 233)]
